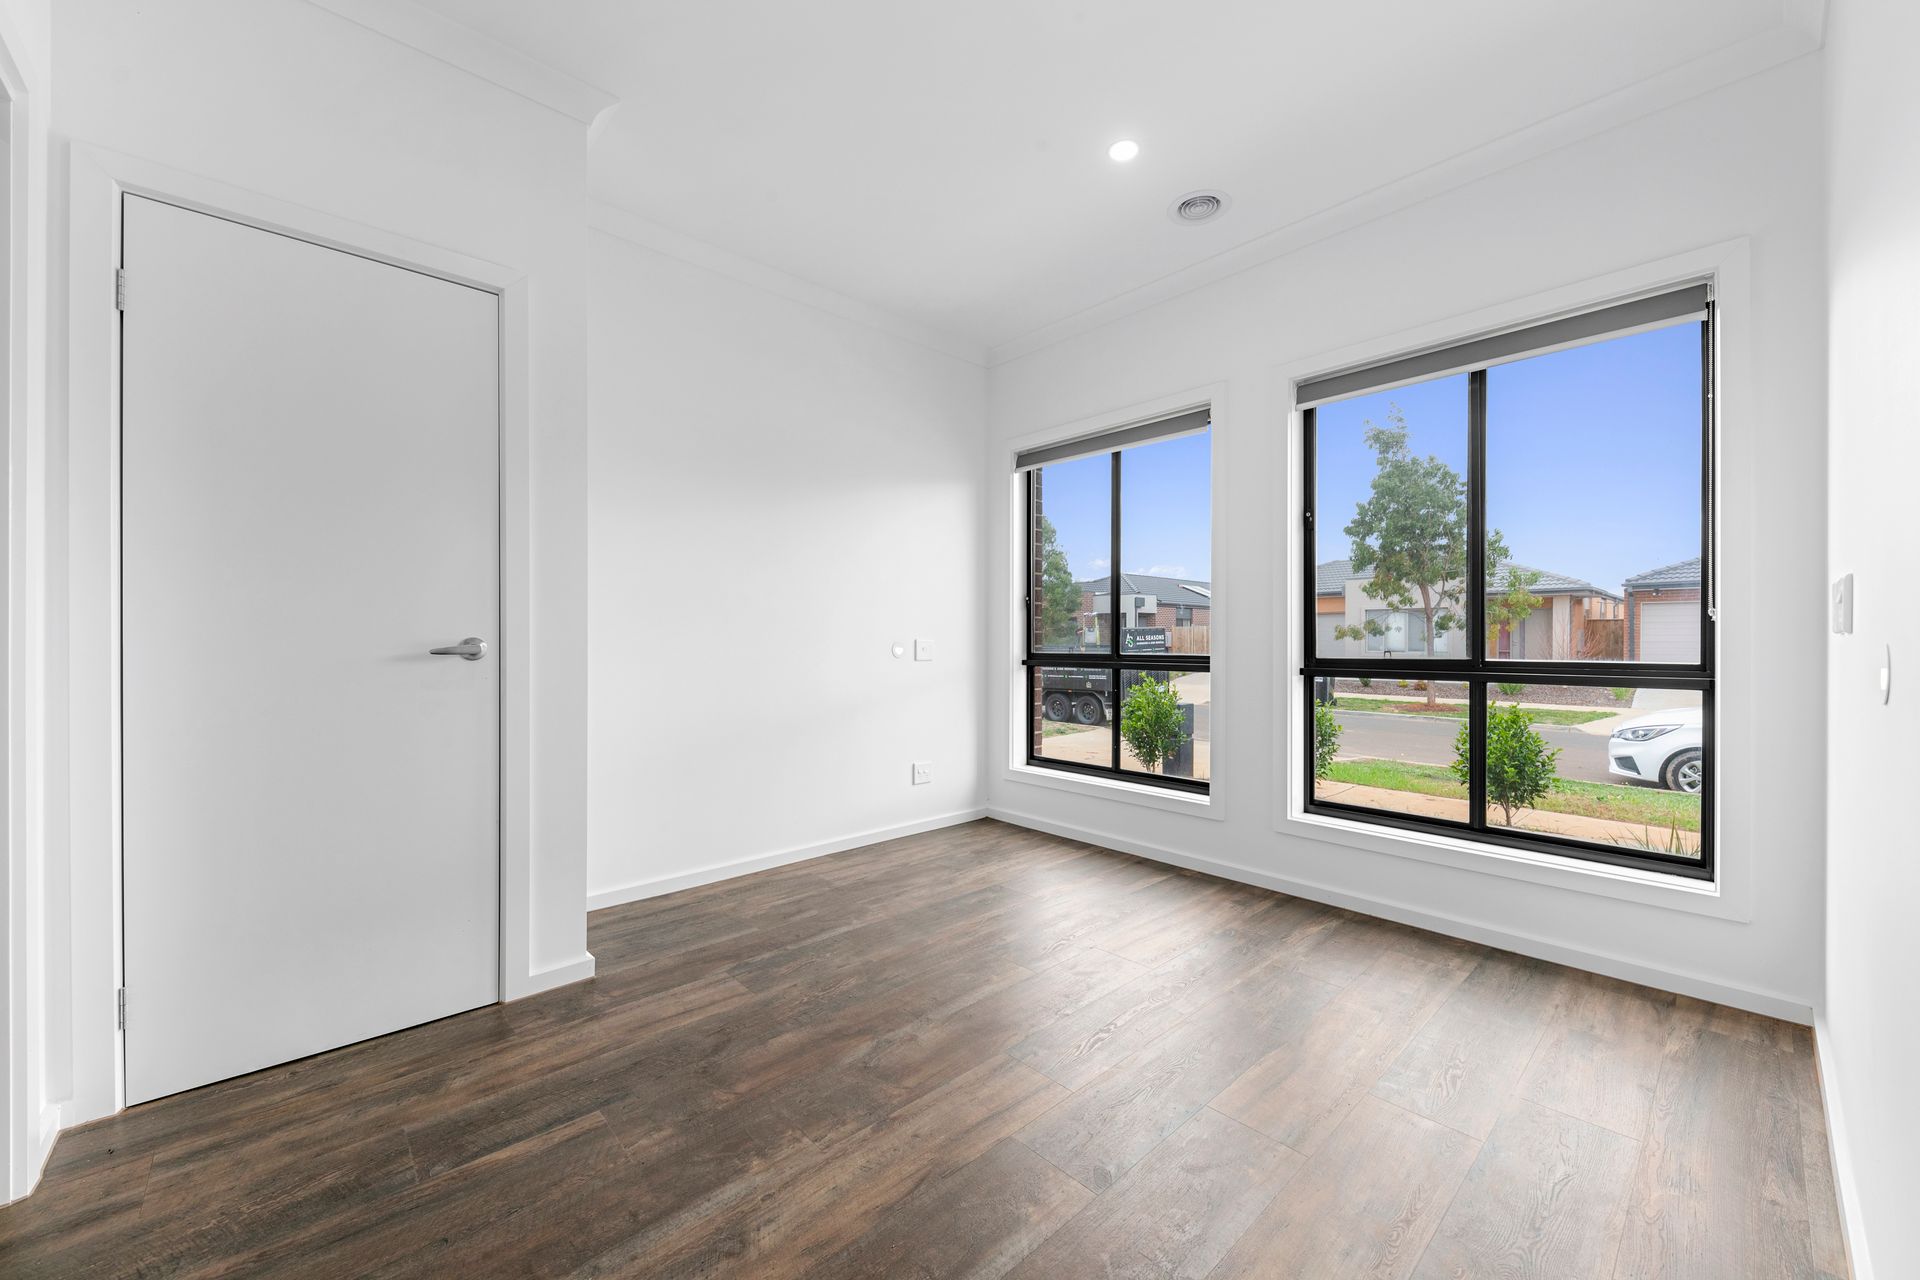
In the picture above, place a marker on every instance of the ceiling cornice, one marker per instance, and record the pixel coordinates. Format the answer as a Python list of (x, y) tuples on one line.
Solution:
[(480, 55), (631, 227), (1801, 30)]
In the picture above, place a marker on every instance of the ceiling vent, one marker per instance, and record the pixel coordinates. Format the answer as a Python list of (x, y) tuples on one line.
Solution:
[(1199, 206)]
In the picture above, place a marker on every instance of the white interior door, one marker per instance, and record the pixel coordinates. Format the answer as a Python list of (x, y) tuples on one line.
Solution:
[(310, 502)]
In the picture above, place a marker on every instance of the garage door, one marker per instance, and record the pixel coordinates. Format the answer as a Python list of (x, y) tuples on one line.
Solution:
[(1670, 631)]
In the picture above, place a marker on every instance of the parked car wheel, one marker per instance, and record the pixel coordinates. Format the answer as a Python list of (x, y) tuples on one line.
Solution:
[(1086, 709), (1662, 748), (1058, 706), (1685, 771)]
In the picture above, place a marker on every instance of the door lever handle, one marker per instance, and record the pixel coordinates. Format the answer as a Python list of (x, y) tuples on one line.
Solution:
[(473, 648)]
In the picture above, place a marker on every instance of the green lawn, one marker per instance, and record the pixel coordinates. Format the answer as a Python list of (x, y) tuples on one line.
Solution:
[(1458, 711), (1641, 805)]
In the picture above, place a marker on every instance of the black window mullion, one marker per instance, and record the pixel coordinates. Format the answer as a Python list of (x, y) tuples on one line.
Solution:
[(1709, 854), (1309, 541), (1477, 754), (1477, 598), (1708, 569), (1476, 519), (1032, 673), (1119, 676)]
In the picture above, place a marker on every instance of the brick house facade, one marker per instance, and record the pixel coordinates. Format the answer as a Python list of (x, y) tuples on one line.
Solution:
[(1656, 631)]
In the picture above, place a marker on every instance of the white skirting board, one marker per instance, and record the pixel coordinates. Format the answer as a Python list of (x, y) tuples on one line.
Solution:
[(1841, 1152), (578, 969), (1772, 1004), (32, 1157), (638, 889)]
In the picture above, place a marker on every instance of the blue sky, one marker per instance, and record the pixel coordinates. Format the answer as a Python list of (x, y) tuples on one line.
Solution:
[(1166, 508), (1593, 467), (1593, 454)]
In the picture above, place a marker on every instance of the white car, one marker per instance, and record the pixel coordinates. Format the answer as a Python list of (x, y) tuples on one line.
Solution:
[(1663, 747)]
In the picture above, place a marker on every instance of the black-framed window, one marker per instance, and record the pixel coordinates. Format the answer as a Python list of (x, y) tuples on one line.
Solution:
[(1508, 566), (1119, 601)]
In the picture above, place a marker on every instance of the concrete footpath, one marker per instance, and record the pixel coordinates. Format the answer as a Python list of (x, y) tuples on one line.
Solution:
[(1626, 835)]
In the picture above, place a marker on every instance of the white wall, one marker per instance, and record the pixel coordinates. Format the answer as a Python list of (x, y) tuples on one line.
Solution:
[(30, 1124), (1870, 1027), (288, 100), (777, 495), (1743, 162)]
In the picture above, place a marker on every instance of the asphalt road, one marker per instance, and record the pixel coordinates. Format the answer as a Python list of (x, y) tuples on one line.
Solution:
[(1429, 740)]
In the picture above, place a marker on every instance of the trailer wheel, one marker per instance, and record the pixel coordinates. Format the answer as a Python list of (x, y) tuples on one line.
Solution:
[(1057, 706), (1086, 709)]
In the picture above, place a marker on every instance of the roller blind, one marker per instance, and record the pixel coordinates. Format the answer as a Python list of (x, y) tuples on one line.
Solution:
[(1180, 424), (1671, 307)]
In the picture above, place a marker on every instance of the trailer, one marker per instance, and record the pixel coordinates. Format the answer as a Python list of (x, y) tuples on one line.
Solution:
[(1082, 695)]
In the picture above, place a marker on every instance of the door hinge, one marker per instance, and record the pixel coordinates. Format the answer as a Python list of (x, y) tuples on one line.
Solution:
[(123, 1009), (120, 288)]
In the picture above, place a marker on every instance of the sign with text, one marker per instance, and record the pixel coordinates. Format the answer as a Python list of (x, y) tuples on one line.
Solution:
[(1146, 640)]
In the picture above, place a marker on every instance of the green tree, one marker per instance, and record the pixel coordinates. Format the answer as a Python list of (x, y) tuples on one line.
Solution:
[(1411, 532), (1059, 596), (1521, 767), (1151, 723), (1326, 739)]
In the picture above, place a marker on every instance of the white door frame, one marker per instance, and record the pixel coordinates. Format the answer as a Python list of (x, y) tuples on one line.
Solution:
[(29, 1124), (98, 180)]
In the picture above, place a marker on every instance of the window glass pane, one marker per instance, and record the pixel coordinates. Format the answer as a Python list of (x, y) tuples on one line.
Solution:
[(1166, 724), (1068, 715), (1072, 547), (1390, 744), (1623, 767), (1166, 546), (1390, 536), (1593, 501)]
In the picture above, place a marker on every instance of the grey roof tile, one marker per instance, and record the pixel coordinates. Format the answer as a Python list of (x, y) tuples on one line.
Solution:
[(1166, 590), (1331, 576), (1681, 573)]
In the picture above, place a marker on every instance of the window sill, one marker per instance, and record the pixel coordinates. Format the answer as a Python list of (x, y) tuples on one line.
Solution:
[(1577, 875), (1152, 797)]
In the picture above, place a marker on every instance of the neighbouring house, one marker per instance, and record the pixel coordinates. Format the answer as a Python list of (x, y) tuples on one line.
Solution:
[(1182, 606), (1663, 613), (1576, 620)]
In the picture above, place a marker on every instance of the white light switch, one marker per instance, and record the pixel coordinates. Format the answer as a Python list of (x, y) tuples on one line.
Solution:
[(899, 648), (1843, 606), (923, 651), (922, 772)]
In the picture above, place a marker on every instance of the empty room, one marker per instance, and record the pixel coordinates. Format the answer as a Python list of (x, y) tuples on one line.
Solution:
[(1044, 640)]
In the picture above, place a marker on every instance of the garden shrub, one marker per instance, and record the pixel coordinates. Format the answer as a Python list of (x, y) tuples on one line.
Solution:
[(1326, 739), (1151, 722), (1521, 767)]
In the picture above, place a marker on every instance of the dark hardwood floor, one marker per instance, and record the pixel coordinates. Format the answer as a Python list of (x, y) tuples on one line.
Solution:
[(986, 1052)]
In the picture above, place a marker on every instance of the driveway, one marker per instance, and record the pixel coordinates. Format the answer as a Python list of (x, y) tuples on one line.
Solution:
[(1429, 740)]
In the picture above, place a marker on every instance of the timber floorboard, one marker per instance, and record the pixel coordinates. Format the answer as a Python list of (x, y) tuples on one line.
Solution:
[(988, 1052)]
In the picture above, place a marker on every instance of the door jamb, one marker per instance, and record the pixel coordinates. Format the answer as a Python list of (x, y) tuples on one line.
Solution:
[(98, 179), (30, 1122)]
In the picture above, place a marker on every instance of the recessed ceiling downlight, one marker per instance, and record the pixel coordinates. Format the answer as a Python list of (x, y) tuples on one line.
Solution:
[(1199, 206), (1124, 150)]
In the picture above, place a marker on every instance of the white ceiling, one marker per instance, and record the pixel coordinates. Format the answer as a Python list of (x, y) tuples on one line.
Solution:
[(948, 163)]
